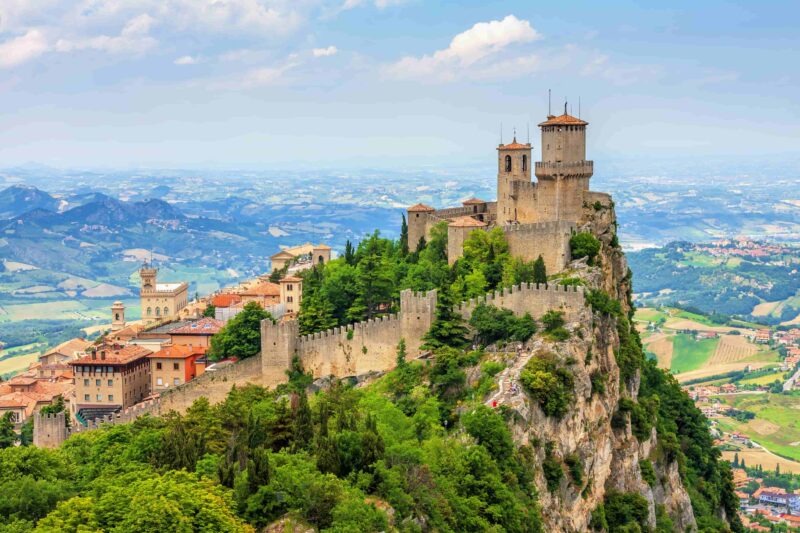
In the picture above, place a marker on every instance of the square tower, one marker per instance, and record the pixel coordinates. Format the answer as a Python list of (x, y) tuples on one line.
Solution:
[(513, 166)]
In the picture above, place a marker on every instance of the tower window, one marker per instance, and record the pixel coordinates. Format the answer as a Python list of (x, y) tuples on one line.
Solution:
[(508, 163), (524, 163)]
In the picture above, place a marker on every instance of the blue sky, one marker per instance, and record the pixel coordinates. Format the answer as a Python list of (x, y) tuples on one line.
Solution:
[(262, 83)]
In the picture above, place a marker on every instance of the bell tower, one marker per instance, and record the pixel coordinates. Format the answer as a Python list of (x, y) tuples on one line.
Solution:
[(148, 275), (117, 316), (563, 173), (513, 166)]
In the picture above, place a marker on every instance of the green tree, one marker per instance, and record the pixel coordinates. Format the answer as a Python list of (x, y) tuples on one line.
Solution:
[(584, 244), (241, 336), (316, 314), (7, 435), (210, 311), (373, 279), (539, 271), (303, 425), (349, 253), (448, 327), (404, 237), (491, 431)]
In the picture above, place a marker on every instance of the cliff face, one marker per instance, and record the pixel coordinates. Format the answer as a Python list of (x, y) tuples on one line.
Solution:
[(608, 452)]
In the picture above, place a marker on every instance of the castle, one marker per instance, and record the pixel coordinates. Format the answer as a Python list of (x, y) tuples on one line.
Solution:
[(537, 218)]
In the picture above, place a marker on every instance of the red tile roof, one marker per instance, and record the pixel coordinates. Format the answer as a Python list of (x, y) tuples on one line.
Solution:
[(473, 201), (225, 300), (514, 146), (204, 326), (291, 279), (265, 288), (119, 355), (563, 120), (466, 222), (420, 208), (177, 351)]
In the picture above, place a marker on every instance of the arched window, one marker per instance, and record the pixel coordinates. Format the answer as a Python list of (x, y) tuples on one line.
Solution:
[(166, 311), (524, 163), (149, 311), (158, 311), (508, 163), (116, 316), (321, 260)]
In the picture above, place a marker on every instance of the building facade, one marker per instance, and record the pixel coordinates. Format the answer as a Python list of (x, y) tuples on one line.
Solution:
[(110, 378), (173, 365), (161, 301)]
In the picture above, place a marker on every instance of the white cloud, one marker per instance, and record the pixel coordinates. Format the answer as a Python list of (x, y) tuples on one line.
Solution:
[(22, 49), (466, 51), (325, 52), (185, 60), (380, 4), (134, 38), (264, 76), (600, 66)]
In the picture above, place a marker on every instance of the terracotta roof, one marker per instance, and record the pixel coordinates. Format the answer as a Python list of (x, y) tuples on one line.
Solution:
[(422, 208), (265, 288), (282, 253), (70, 347), (119, 355), (291, 279), (466, 222), (204, 326), (22, 380), (177, 351), (225, 300), (473, 201), (514, 146), (321, 246), (563, 120)]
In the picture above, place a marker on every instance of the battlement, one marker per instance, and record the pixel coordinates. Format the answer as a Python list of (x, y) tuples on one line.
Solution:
[(545, 169), (532, 298), (551, 226)]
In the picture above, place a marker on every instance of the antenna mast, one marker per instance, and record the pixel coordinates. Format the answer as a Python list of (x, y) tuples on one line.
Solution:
[(549, 106), (579, 107)]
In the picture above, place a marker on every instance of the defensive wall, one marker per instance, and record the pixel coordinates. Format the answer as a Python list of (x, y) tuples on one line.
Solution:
[(548, 239), (533, 298)]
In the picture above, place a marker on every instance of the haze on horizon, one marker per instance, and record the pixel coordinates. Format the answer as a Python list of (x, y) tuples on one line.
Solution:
[(270, 82)]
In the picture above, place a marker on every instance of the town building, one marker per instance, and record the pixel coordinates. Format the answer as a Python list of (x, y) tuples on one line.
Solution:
[(174, 365), (110, 378), (763, 336), (24, 395), (65, 352), (300, 257), (291, 294), (264, 293), (196, 333), (537, 218), (161, 302)]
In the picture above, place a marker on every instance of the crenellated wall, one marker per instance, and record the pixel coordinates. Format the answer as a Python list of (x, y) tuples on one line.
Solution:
[(548, 239), (49, 430), (348, 350), (533, 298)]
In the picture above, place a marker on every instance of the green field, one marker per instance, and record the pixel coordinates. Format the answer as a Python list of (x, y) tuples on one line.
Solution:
[(763, 380), (776, 425), (690, 354), (648, 314)]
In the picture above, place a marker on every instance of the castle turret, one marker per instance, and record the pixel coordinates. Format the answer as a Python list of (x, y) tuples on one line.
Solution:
[(418, 221), (563, 174), (513, 166)]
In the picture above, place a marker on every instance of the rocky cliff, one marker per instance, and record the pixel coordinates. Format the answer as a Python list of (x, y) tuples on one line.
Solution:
[(607, 441)]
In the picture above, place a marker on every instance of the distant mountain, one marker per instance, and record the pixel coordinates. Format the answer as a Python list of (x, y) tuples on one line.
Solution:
[(19, 199)]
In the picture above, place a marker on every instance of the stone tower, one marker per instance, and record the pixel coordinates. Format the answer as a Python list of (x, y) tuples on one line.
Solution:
[(49, 431), (513, 170), (148, 275), (117, 316), (563, 174)]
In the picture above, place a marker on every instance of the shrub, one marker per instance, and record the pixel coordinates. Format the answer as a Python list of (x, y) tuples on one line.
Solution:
[(553, 473), (493, 324), (598, 380), (551, 386), (584, 244), (648, 472), (624, 509), (602, 303), (575, 466)]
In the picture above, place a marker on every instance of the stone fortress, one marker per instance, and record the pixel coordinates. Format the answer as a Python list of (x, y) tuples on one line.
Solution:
[(537, 219)]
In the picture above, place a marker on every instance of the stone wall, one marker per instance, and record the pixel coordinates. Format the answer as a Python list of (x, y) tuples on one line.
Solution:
[(50, 430), (349, 350), (548, 239), (532, 298)]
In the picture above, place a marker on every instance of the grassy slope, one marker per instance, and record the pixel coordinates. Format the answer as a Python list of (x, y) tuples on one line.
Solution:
[(776, 425), (689, 354)]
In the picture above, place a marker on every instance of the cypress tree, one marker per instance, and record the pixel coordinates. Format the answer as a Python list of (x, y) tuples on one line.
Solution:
[(303, 426), (404, 237), (349, 253), (448, 327), (258, 469), (539, 271)]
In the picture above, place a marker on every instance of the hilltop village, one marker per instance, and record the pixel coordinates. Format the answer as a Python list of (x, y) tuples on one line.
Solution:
[(493, 339)]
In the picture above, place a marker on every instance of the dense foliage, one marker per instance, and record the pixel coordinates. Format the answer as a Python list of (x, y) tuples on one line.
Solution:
[(241, 336), (492, 324), (584, 244), (335, 460), (551, 385), (366, 281)]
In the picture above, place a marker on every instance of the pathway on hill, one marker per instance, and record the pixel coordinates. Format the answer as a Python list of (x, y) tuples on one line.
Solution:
[(509, 376)]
